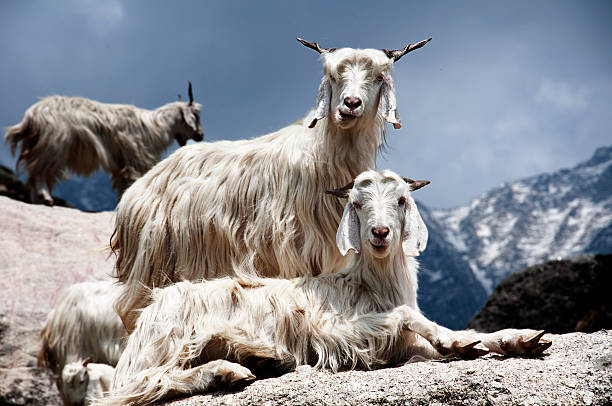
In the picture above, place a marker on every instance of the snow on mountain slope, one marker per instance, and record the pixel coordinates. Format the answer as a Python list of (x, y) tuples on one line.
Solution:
[(535, 219)]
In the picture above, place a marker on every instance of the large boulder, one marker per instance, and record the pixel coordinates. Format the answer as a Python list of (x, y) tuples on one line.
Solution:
[(558, 296)]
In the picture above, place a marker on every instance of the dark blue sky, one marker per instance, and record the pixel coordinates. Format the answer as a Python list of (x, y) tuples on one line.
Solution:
[(505, 89)]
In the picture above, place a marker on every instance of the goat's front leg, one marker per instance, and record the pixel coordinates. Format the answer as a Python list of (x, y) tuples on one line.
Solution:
[(447, 342), (514, 342), (214, 374)]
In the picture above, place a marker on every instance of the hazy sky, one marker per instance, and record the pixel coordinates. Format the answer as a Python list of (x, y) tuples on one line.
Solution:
[(505, 89)]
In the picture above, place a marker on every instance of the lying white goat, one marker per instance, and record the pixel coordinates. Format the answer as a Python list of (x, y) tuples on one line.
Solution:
[(197, 336), (60, 134), (83, 381), (261, 201)]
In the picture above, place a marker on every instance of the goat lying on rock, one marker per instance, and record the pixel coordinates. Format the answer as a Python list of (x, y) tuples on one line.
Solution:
[(197, 336), (60, 134), (210, 205)]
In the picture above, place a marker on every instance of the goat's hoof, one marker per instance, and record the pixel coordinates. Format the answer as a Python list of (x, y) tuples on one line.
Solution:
[(531, 345), (234, 375), (466, 349), (472, 350)]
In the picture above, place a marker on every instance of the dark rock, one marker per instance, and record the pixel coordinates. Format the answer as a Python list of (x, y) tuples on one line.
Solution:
[(556, 296)]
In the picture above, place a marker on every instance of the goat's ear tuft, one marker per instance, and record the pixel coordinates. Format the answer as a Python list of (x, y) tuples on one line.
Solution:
[(347, 236), (387, 105), (323, 101), (416, 184), (414, 235), (341, 192)]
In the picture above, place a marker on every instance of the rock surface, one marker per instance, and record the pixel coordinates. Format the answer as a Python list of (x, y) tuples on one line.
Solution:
[(42, 250), (576, 370), (45, 249), (558, 296)]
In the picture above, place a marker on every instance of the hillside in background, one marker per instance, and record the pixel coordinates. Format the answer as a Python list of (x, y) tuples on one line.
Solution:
[(524, 222)]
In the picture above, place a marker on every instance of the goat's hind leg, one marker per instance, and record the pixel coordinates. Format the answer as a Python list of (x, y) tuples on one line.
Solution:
[(524, 342), (447, 342)]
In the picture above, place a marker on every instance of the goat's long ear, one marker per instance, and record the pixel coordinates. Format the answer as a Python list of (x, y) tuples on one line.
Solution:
[(323, 100), (414, 237), (347, 236), (189, 117), (387, 105)]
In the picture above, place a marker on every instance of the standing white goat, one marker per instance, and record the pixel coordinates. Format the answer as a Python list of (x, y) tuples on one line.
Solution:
[(83, 324), (197, 336), (210, 205), (83, 382), (60, 134)]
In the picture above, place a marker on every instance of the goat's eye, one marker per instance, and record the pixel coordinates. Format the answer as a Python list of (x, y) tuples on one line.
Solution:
[(380, 78), (356, 204), (401, 201)]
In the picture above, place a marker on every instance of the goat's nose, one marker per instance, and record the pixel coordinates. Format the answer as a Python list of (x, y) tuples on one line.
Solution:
[(380, 232), (352, 102)]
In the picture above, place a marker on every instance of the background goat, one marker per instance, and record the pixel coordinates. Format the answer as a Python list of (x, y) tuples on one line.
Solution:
[(84, 381), (193, 337), (83, 325), (210, 205), (60, 134)]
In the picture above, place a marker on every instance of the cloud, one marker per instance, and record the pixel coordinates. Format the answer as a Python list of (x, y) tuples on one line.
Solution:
[(104, 16), (562, 96)]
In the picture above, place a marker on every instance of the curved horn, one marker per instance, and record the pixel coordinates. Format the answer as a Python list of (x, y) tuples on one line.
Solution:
[(190, 91), (315, 46), (341, 192), (416, 184), (398, 53)]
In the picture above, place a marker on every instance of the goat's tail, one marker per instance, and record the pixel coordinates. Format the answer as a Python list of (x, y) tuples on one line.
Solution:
[(21, 133), (15, 134)]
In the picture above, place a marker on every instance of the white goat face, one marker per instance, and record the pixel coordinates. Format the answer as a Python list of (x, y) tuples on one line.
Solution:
[(381, 216), (191, 127), (356, 78), (75, 379), (357, 84)]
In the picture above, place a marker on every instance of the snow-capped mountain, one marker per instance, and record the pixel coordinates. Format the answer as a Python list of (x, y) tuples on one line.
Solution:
[(531, 220), (449, 293)]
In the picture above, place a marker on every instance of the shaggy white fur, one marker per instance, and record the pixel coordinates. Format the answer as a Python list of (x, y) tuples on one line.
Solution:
[(259, 202), (198, 336), (60, 134)]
